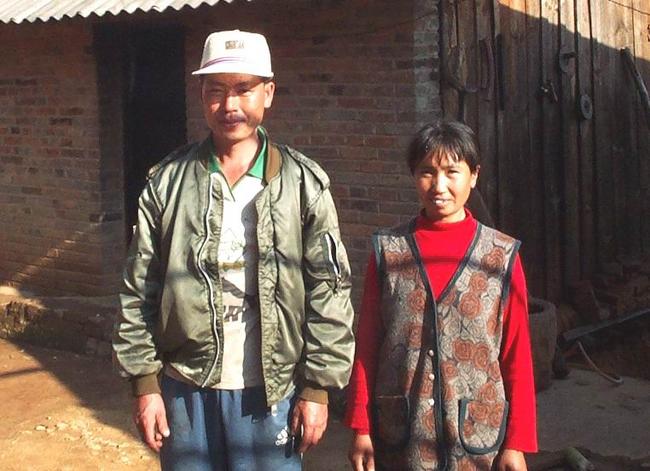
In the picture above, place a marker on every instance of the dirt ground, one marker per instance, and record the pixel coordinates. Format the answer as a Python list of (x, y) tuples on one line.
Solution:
[(68, 412), (62, 411)]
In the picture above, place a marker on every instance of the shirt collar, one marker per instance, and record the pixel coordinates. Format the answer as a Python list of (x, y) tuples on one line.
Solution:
[(257, 170)]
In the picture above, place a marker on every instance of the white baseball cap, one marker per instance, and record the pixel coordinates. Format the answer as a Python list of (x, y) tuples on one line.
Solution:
[(236, 52)]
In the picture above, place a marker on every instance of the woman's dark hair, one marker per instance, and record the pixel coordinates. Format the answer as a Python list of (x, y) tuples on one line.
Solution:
[(444, 139)]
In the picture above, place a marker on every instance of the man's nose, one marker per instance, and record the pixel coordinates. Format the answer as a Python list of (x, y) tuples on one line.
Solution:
[(230, 101)]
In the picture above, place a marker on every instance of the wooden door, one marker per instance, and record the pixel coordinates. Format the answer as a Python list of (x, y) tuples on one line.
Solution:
[(563, 135)]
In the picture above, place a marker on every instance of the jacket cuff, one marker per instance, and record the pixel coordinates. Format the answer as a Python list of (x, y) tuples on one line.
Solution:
[(147, 384), (314, 394)]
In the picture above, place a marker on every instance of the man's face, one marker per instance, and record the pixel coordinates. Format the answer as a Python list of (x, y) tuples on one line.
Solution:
[(443, 185), (234, 104)]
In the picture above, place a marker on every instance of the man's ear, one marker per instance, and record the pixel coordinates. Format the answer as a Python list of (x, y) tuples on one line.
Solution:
[(269, 91), (201, 80)]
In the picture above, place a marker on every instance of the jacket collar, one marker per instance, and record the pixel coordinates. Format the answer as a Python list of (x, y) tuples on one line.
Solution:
[(273, 160)]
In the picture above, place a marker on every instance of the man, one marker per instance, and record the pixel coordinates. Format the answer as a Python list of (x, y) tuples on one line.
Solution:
[(236, 315)]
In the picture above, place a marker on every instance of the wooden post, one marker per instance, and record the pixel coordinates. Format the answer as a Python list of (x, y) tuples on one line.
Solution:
[(552, 148), (642, 52), (585, 140), (571, 221)]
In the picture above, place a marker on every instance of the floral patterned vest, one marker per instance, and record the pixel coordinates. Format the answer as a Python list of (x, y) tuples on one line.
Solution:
[(439, 399)]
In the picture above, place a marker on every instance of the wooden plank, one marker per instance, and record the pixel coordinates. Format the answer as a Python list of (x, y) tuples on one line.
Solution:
[(552, 149), (460, 64), (498, 104), (507, 73), (585, 140), (617, 181), (641, 18), (513, 154), (487, 130), (570, 159), (521, 193), (468, 61), (449, 57), (604, 69), (534, 247), (628, 211)]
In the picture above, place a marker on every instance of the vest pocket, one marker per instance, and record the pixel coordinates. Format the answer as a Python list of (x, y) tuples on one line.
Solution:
[(391, 421), (482, 425)]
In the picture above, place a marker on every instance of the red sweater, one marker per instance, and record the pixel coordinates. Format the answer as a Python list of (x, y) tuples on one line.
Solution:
[(442, 247)]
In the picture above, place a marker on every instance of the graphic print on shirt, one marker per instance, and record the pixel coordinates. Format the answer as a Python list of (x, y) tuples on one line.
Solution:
[(238, 270)]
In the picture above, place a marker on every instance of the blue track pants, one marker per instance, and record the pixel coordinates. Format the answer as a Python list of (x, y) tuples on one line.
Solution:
[(225, 430)]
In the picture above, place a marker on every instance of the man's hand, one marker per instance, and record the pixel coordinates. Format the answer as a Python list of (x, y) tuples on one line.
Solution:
[(150, 418), (362, 453), (511, 460), (312, 418)]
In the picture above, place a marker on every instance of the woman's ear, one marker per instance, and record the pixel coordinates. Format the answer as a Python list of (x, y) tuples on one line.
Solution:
[(474, 177)]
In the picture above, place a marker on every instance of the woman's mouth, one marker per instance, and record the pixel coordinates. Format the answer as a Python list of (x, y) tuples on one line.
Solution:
[(440, 201)]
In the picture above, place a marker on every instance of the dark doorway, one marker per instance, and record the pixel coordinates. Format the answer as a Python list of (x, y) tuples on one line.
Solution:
[(154, 106)]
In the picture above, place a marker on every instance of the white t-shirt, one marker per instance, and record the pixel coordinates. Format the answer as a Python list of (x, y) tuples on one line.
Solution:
[(238, 251)]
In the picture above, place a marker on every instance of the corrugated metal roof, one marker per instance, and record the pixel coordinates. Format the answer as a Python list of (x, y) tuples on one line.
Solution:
[(17, 11)]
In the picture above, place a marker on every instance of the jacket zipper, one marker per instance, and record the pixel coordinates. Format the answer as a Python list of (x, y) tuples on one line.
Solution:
[(331, 254), (213, 311)]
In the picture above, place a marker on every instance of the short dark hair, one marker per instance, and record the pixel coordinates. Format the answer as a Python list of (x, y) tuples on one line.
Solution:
[(444, 138)]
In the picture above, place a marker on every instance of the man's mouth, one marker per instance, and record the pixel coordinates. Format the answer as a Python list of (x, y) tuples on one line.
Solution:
[(233, 121)]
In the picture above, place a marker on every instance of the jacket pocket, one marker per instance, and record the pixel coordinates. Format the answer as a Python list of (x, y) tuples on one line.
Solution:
[(482, 425), (391, 421)]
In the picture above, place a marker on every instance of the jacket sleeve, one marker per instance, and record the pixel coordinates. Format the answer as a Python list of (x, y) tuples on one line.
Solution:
[(329, 341), (134, 349)]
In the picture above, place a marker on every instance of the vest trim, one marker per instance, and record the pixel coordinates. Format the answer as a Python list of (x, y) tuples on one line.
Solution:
[(462, 411), (431, 311)]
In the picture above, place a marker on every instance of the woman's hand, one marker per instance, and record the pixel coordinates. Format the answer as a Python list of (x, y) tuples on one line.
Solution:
[(361, 453), (511, 460)]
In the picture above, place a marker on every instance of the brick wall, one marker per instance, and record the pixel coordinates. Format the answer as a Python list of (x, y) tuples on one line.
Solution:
[(61, 228), (354, 80)]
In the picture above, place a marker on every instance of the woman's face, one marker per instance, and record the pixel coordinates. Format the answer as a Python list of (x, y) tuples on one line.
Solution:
[(443, 186)]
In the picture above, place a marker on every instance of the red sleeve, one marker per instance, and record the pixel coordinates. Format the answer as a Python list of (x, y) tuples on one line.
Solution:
[(368, 338), (517, 367)]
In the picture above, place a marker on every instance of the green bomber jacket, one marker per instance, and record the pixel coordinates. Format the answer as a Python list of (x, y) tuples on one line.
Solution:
[(171, 302)]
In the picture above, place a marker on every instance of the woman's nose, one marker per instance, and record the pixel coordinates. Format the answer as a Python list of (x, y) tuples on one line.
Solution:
[(439, 184)]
